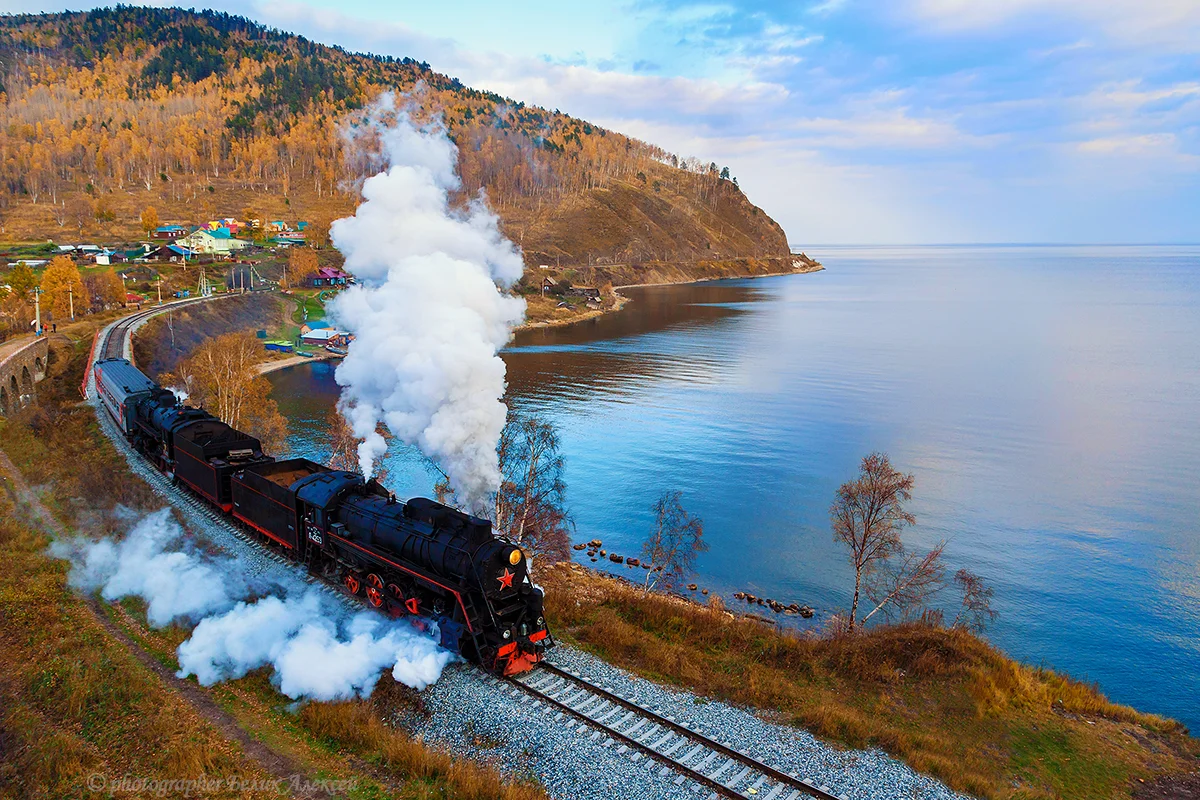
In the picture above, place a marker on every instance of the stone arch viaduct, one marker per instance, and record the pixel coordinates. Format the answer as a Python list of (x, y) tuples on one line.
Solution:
[(22, 365)]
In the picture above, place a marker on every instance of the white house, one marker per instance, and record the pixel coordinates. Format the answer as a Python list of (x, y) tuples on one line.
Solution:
[(217, 242)]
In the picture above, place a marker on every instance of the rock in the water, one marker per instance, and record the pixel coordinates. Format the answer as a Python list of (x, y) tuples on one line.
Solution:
[(595, 543), (633, 562), (806, 612), (692, 586), (616, 559), (579, 546)]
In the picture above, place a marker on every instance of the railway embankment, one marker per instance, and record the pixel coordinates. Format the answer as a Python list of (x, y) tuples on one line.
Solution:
[(162, 342), (943, 701)]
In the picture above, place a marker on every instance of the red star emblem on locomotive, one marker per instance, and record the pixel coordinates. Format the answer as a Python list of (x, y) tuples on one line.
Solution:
[(506, 579)]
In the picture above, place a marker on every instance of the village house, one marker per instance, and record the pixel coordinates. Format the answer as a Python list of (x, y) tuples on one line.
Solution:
[(315, 325), (173, 253), (290, 238), (325, 277), (325, 337), (215, 242), (169, 232)]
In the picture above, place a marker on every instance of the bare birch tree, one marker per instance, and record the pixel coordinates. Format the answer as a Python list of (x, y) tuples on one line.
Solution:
[(530, 507), (975, 610), (222, 377), (904, 583), (868, 516), (673, 544), (344, 446)]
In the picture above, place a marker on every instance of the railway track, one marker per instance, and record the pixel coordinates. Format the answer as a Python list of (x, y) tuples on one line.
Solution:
[(118, 339), (115, 341), (622, 723)]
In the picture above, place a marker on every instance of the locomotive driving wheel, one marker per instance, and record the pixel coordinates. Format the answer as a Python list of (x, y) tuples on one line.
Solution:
[(352, 583), (374, 590)]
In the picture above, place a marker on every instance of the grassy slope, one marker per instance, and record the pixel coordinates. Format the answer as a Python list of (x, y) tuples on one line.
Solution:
[(74, 700), (163, 341), (944, 701)]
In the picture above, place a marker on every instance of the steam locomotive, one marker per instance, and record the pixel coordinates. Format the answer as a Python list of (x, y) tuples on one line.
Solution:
[(417, 558)]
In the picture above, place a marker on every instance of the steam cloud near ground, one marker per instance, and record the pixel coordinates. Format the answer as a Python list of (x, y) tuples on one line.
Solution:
[(429, 313), (316, 647)]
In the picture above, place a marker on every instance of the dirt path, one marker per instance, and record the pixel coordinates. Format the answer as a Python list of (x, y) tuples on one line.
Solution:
[(27, 500), (277, 765)]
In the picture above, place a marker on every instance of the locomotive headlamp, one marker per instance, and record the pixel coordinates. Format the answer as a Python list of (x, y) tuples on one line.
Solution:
[(515, 556)]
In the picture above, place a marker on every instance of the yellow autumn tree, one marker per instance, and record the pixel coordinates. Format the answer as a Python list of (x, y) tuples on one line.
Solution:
[(60, 281), (301, 261), (112, 289), (149, 220), (222, 377), (317, 232)]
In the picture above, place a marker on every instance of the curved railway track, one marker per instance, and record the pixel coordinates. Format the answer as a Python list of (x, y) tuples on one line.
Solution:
[(709, 764), (116, 341)]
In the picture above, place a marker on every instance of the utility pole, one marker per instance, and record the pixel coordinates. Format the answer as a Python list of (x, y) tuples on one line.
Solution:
[(160, 290), (71, 299), (37, 311)]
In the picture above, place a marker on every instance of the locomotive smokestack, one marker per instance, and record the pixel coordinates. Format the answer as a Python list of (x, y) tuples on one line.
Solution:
[(430, 312)]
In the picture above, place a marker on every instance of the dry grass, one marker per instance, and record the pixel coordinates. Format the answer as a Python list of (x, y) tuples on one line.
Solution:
[(944, 701), (58, 445), (356, 726), (73, 702)]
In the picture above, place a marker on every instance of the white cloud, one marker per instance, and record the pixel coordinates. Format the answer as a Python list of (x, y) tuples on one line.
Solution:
[(1144, 144), (886, 129), (1174, 23)]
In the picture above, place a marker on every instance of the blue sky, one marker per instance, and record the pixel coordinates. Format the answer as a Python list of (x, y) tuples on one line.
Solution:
[(856, 121)]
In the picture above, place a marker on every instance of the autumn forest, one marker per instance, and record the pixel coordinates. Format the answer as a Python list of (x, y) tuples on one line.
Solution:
[(197, 114)]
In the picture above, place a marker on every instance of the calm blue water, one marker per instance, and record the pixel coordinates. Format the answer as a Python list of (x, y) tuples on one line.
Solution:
[(1046, 398)]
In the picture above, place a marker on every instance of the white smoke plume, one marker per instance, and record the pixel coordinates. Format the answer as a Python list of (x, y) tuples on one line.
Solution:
[(175, 584), (429, 313), (317, 649)]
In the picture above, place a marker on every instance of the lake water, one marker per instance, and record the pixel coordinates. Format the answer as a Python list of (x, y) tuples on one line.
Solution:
[(1046, 398)]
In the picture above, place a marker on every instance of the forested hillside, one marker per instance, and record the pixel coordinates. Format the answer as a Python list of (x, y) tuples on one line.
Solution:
[(202, 114)]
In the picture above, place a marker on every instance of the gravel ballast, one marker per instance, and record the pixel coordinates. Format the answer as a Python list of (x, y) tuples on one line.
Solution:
[(487, 720)]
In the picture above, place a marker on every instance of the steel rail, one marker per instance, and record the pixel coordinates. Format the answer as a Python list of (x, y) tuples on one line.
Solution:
[(782, 779)]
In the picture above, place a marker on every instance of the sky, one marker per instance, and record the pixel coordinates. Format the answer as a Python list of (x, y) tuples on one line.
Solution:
[(850, 121)]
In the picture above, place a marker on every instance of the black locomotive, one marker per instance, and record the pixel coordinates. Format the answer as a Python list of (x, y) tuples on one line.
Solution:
[(417, 557)]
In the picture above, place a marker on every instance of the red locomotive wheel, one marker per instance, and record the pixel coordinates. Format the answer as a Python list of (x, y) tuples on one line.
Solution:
[(375, 580), (395, 592), (352, 583), (374, 596)]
